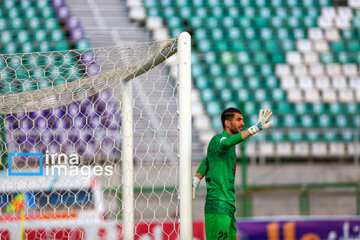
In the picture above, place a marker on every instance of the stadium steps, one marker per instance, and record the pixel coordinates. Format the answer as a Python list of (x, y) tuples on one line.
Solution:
[(114, 27)]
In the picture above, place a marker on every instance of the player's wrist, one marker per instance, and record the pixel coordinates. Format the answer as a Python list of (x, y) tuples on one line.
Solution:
[(255, 128), (196, 182)]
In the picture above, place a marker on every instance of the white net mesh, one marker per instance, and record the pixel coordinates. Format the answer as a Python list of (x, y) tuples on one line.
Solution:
[(62, 146)]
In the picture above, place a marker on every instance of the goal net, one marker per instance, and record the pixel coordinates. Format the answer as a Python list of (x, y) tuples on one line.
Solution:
[(92, 143)]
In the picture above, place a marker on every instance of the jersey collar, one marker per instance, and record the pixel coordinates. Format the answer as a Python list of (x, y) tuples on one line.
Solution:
[(225, 134)]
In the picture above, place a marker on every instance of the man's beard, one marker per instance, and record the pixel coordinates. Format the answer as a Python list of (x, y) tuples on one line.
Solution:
[(234, 131)]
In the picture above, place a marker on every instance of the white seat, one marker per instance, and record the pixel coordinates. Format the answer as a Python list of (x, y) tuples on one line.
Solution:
[(154, 23), (339, 82), (294, 95), (311, 57), (328, 95), (354, 82), (251, 149), (321, 45), (293, 58), (319, 149), (345, 12), (312, 95), (266, 149), (282, 70), (346, 95), (333, 69), (357, 95), (337, 149), (137, 13), (353, 149), (322, 82), (316, 70), (354, 3), (342, 23), (301, 149), (315, 33), (332, 34), (305, 82), (304, 45), (202, 122), (350, 69), (325, 23), (328, 12), (283, 149), (288, 82), (300, 70)]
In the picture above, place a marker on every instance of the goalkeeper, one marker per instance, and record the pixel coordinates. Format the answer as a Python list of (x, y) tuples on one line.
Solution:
[(219, 169)]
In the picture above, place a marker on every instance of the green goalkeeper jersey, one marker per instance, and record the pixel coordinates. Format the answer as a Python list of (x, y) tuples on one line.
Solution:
[(219, 166)]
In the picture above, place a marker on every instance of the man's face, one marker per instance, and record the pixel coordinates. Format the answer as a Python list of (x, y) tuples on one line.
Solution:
[(236, 124)]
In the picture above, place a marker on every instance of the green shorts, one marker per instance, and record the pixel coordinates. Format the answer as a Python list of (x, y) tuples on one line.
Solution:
[(220, 227)]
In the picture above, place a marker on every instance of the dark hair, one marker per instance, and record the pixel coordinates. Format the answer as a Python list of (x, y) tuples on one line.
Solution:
[(228, 114)]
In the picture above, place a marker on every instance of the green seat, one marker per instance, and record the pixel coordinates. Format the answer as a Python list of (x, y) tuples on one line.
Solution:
[(232, 70), (11, 47), (14, 62), (16, 24), (318, 108), (215, 70), (82, 44), (293, 22), (347, 136), (344, 57), (21, 73), (60, 46), (348, 34), (210, 57), (312, 136), (260, 95), (208, 95), (290, 121), (44, 46), (243, 95), (295, 135), (227, 58), (335, 108), (337, 46), (23, 36), (253, 82), (266, 34), (355, 121), (342, 121), (250, 34), (174, 22), (6, 36), (307, 121), (237, 83), (261, 57), (324, 121), (283, 108), (33, 23), (52, 24), (196, 22), (266, 69), (301, 108), (249, 70), (299, 33), (221, 45), (352, 108), (277, 22), (278, 94), (327, 57), (226, 95), (27, 47), (353, 45), (213, 108), (13, 13), (29, 13), (42, 3), (331, 136), (48, 12), (228, 22), (40, 35), (287, 45), (276, 136), (57, 35), (278, 57), (219, 83), (250, 108), (37, 73), (217, 34), (201, 82), (204, 45), (211, 23), (243, 57), (271, 82), (309, 22)]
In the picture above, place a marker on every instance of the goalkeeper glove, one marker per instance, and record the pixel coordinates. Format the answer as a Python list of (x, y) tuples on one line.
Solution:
[(262, 123), (195, 184)]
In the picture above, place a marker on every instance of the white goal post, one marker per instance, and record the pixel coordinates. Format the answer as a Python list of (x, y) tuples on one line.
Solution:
[(117, 117)]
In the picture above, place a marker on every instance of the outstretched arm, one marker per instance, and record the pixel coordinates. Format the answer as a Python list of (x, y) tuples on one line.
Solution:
[(262, 124)]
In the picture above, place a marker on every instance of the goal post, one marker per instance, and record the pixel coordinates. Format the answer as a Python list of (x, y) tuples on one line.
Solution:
[(98, 141)]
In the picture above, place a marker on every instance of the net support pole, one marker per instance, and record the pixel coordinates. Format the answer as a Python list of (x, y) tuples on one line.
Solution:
[(127, 162), (185, 133)]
